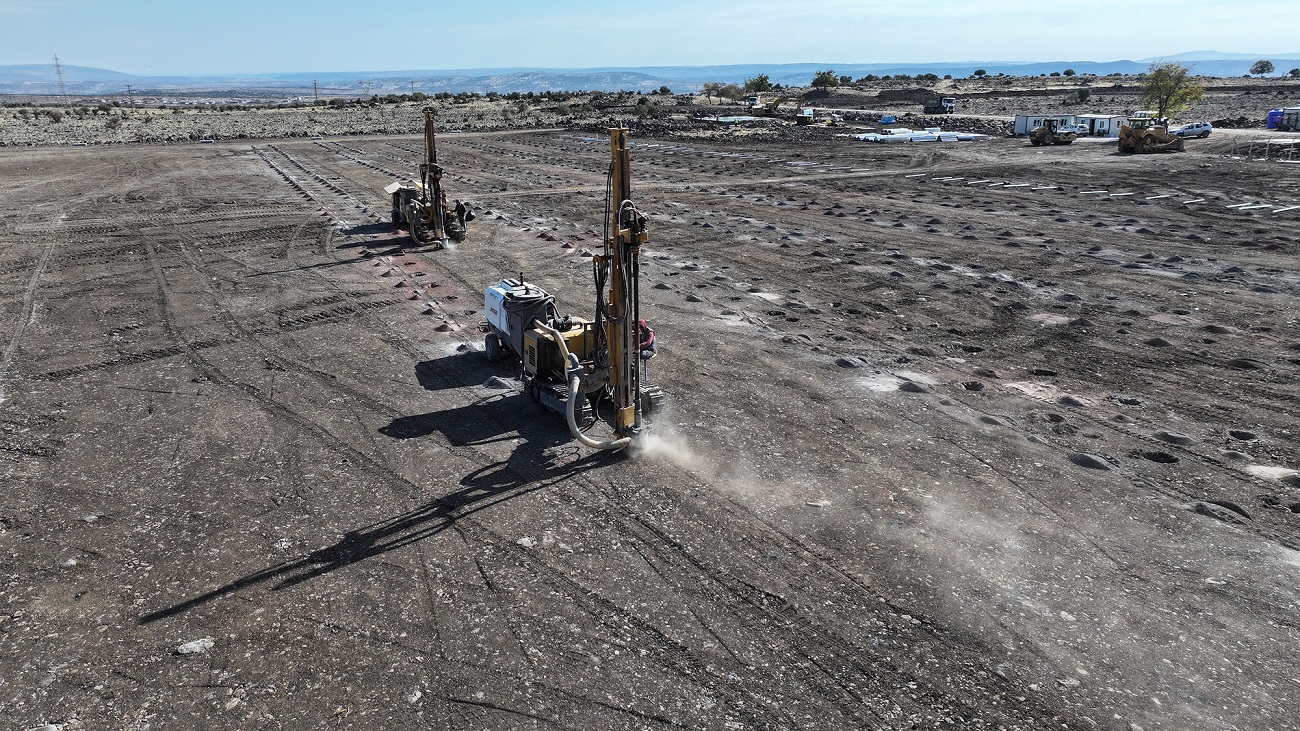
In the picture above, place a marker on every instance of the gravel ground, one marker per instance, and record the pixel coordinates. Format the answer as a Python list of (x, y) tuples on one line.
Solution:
[(957, 436)]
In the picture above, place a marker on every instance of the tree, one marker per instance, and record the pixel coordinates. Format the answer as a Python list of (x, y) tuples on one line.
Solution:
[(730, 91), (825, 78), (665, 91), (1168, 88), (1068, 72), (1262, 67), (1294, 73), (711, 89), (758, 84), (980, 73)]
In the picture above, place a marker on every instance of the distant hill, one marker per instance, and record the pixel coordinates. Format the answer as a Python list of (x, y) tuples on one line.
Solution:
[(39, 79)]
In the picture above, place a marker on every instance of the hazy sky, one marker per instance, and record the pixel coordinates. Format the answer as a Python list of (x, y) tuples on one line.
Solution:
[(250, 36)]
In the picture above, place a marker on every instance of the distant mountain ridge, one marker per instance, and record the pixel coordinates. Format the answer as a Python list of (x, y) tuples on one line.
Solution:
[(40, 79)]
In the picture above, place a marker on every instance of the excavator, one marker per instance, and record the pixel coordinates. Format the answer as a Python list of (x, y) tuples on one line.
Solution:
[(585, 368), (421, 206), (760, 108), (1146, 132)]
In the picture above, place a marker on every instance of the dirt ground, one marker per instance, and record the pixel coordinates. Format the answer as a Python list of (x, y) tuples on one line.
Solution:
[(963, 436)]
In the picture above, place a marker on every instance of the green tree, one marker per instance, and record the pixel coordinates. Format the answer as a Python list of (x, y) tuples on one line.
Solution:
[(846, 80), (711, 89), (731, 91), (980, 73), (1168, 88), (1068, 72), (1262, 67), (1294, 73), (825, 78), (758, 84)]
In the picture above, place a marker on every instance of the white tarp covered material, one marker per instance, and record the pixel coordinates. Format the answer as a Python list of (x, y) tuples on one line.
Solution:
[(929, 134)]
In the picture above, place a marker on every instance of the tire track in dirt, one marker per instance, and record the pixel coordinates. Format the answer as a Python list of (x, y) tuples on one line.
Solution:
[(24, 315)]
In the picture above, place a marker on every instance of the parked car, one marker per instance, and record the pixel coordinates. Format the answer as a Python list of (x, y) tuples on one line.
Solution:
[(1195, 129)]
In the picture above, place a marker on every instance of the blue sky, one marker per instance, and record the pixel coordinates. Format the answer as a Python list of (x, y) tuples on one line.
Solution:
[(250, 36)]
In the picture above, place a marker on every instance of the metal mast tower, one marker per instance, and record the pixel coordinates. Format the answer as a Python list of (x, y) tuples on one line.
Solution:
[(58, 73)]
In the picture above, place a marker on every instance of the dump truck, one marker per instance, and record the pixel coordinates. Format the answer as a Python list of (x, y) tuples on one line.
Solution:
[(1147, 132), (944, 105)]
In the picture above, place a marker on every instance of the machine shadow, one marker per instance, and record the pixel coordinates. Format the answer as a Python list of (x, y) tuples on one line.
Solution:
[(533, 465), (355, 546), (468, 367), (370, 228)]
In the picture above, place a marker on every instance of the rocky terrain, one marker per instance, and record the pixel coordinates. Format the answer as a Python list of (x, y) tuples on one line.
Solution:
[(957, 436), (984, 105)]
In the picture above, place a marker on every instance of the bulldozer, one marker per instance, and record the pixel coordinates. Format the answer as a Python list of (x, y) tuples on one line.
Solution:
[(579, 367), (421, 206), (1053, 132), (1147, 132)]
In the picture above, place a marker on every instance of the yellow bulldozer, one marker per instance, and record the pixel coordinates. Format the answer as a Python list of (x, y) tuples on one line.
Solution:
[(1147, 132), (1053, 132)]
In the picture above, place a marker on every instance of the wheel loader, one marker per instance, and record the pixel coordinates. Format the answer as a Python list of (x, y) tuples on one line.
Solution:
[(1053, 132), (1146, 132), (421, 206)]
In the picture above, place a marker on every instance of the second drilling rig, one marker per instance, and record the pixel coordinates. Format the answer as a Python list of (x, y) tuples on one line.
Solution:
[(421, 206)]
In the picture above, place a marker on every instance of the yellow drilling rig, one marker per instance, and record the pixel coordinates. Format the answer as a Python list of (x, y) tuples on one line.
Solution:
[(585, 368), (421, 206)]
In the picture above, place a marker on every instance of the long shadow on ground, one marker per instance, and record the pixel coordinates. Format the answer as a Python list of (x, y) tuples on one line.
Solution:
[(532, 466)]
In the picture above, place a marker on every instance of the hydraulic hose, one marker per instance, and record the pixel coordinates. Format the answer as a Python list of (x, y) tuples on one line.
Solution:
[(575, 382)]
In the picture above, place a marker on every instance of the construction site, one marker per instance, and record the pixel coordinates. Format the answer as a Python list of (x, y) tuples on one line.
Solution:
[(360, 432)]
